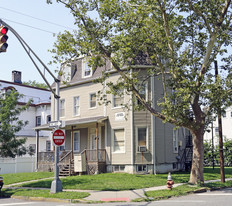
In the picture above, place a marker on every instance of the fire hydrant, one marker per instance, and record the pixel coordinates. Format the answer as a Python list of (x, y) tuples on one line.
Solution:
[(170, 182)]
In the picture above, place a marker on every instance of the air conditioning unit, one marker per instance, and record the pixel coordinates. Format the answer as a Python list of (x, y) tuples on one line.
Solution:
[(142, 148)]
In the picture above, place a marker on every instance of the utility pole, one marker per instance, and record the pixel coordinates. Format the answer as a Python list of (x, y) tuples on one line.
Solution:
[(220, 133)]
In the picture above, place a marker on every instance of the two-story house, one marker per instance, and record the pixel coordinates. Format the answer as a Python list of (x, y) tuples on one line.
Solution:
[(109, 137), (39, 111)]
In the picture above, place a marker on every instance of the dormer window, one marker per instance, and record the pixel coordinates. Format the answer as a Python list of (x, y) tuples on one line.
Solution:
[(86, 69)]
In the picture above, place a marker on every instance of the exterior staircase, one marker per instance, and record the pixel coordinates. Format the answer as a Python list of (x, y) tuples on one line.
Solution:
[(66, 164), (186, 155), (67, 169)]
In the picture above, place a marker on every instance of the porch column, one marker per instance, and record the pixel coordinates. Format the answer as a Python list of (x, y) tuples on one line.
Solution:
[(72, 142), (37, 150), (97, 171)]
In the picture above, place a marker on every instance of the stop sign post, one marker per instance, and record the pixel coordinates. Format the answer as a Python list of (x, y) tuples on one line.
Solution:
[(58, 137)]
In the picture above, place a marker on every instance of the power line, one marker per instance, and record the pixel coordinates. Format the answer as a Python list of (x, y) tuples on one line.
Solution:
[(36, 18), (31, 26)]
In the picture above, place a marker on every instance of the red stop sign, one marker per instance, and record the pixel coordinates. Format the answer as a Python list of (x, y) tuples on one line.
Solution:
[(58, 137)]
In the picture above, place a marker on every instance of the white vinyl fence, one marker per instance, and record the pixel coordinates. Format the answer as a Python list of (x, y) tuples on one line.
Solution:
[(17, 165)]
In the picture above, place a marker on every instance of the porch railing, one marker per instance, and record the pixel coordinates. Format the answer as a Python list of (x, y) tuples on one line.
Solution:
[(45, 157), (91, 155), (65, 157)]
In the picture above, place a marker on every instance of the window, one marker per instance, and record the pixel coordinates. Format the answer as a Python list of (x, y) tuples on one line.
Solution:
[(216, 130), (142, 137), (76, 141), (223, 114), (118, 100), (62, 108), (141, 168), (87, 70), (38, 121), (119, 168), (76, 105), (175, 141), (48, 118), (230, 114), (142, 89), (48, 145), (119, 140), (92, 100)]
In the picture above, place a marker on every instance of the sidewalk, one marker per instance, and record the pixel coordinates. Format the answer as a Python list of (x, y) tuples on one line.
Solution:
[(127, 195)]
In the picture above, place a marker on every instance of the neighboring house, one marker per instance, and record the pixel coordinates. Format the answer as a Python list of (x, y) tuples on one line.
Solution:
[(109, 138), (212, 130), (39, 111)]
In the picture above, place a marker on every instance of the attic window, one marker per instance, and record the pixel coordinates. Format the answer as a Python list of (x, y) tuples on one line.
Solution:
[(86, 69), (73, 70)]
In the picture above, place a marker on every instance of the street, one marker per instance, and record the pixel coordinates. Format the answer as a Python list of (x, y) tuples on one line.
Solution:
[(215, 198)]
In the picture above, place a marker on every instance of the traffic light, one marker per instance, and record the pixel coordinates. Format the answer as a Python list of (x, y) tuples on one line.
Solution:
[(3, 38)]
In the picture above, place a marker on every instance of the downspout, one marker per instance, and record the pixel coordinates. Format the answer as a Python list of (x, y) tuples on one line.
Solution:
[(37, 150)]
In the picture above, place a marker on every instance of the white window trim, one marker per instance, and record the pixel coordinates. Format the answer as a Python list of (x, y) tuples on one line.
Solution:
[(90, 100), (177, 133), (121, 106), (76, 115), (112, 135), (78, 141), (84, 61), (60, 107), (146, 93), (137, 145)]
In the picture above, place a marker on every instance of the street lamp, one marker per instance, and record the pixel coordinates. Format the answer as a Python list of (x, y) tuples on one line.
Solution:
[(56, 185)]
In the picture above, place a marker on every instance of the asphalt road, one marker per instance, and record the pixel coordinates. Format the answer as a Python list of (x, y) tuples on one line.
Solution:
[(216, 198)]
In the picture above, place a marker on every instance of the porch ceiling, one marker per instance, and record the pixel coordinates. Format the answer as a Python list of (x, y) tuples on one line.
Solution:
[(68, 123)]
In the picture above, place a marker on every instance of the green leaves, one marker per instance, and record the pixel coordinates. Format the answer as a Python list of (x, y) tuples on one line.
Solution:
[(10, 124)]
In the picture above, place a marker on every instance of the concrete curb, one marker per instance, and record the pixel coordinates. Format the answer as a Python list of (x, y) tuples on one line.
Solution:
[(41, 199)]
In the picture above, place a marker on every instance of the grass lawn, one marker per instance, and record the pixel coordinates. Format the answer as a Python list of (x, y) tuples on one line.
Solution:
[(123, 181), (177, 191), (21, 177), (44, 194)]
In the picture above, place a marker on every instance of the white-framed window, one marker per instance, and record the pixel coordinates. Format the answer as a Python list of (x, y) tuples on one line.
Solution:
[(224, 114), (62, 108), (119, 140), (119, 168), (175, 141), (141, 168), (38, 120), (76, 141), (92, 100), (76, 106), (48, 118), (143, 91), (86, 69), (142, 138), (48, 145), (118, 100)]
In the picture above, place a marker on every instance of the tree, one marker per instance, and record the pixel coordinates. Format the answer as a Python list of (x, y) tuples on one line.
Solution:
[(36, 84), (10, 146), (181, 39)]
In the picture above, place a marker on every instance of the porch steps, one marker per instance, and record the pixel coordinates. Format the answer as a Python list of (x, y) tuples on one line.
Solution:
[(67, 170)]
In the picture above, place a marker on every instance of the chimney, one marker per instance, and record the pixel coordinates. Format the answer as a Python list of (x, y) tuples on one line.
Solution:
[(16, 77)]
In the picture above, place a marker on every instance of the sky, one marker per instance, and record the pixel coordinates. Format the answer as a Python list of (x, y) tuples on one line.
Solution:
[(36, 22)]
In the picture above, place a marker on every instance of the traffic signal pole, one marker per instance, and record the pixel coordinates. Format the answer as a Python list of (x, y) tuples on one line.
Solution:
[(56, 185)]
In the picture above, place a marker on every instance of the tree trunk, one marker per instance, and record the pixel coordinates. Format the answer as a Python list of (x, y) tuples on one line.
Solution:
[(196, 175)]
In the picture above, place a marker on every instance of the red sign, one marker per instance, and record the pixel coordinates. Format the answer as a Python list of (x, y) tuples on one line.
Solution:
[(58, 137)]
